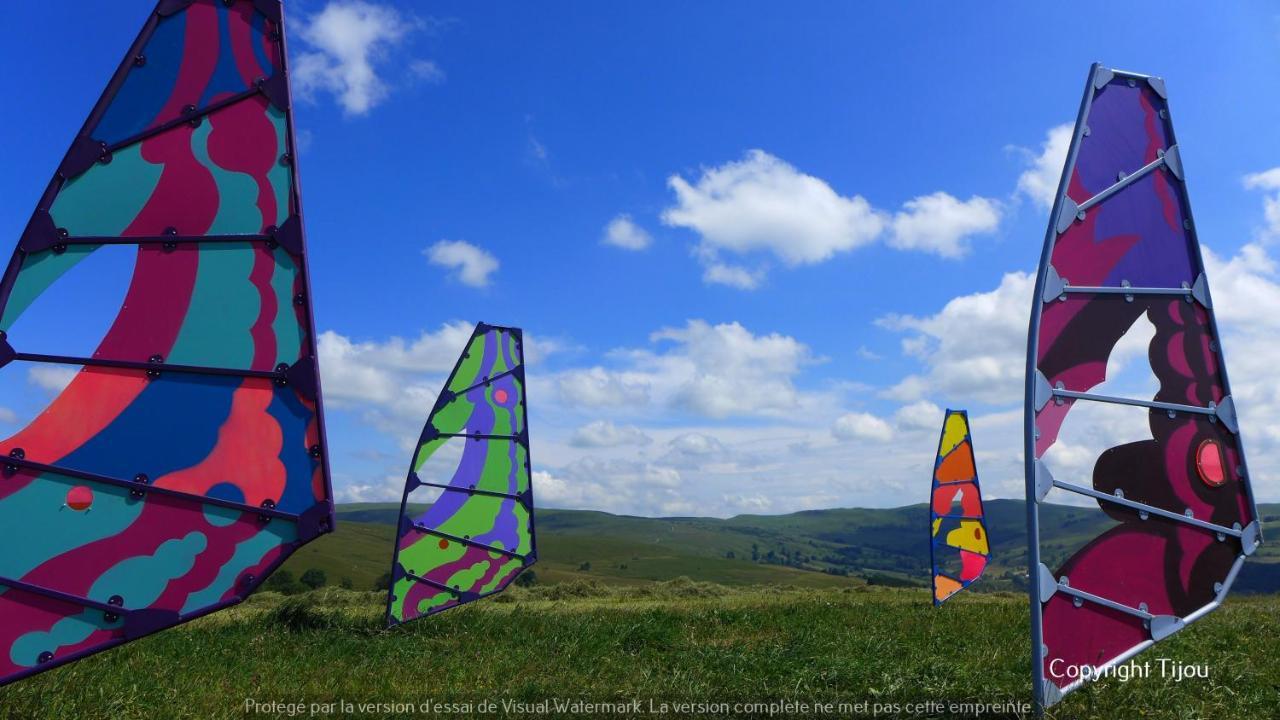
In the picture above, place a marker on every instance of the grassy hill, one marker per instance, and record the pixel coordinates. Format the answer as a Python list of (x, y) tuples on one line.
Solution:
[(816, 548), (665, 642)]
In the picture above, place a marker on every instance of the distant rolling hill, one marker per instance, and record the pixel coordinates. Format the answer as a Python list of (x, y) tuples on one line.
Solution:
[(814, 548)]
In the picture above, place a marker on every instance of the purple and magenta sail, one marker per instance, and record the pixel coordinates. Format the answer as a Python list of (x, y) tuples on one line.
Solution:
[(1121, 247)]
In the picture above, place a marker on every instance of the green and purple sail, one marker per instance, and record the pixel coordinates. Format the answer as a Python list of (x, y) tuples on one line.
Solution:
[(185, 460), (472, 466)]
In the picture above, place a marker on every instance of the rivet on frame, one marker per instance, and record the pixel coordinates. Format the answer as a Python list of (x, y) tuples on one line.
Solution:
[(139, 60), (153, 374), (140, 479), (1189, 513), (1133, 83)]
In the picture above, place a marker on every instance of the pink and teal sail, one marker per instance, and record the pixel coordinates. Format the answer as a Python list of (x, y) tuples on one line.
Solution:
[(186, 459), (472, 464)]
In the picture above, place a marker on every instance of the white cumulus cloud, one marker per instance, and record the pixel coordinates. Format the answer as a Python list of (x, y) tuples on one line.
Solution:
[(472, 265), (603, 433), (942, 224), (735, 276), (347, 44), (1269, 182), (974, 348), (762, 203), (862, 425), (622, 232), (1040, 180)]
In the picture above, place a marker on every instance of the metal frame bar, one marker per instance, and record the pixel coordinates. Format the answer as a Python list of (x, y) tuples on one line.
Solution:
[(1143, 507), (1045, 692), (1119, 185), (1038, 681), (1104, 602), (470, 543), (437, 585), (303, 276), (475, 436), (1153, 404), (148, 366), (488, 380), (161, 239), (471, 491), (147, 488), (198, 114), (63, 596), (1105, 290)]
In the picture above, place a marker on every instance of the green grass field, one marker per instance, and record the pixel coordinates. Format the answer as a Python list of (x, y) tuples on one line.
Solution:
[(606, 622), (673, 642)]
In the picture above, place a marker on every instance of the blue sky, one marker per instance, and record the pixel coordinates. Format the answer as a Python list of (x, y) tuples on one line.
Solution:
[(756, 246)]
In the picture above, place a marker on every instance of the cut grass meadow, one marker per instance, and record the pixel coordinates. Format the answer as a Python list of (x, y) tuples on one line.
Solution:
[(675, 641)]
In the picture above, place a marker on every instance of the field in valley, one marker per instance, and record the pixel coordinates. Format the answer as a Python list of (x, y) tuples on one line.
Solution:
[(675, 641)]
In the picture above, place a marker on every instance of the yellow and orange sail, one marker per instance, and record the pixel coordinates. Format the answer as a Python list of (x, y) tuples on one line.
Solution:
[(958, 543)]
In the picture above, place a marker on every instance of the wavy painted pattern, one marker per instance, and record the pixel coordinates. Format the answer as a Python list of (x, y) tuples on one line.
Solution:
[(484, 396), (91, 562), (204, 54), (959, 547), (1141, 235)]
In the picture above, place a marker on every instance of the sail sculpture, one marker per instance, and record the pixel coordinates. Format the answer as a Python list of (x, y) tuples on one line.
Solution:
[(185, 460), (958, 544), (1122, 245), (473, 461)]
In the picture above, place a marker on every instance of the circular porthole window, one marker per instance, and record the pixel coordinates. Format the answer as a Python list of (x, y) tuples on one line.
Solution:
[(1210, 464)]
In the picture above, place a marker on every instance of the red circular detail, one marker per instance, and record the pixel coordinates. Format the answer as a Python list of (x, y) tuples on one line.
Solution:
[(79, 498), (500, 395), (444, 544), (977, 533), (1210, 464)]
